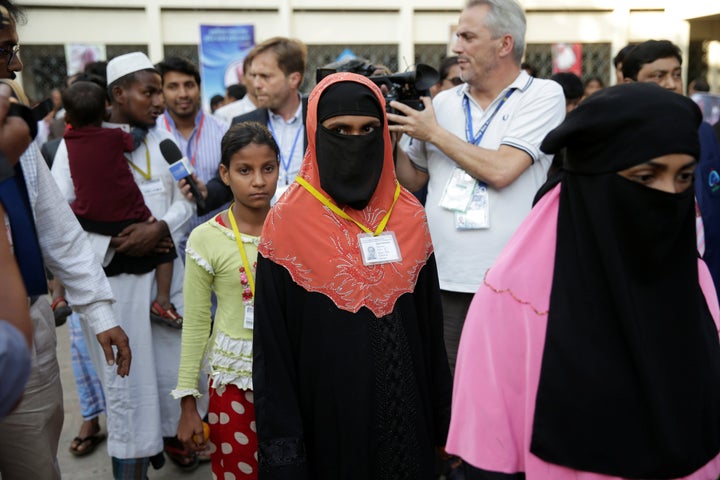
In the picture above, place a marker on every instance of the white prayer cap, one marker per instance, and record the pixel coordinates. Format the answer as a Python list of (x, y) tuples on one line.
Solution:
[(125, 64)]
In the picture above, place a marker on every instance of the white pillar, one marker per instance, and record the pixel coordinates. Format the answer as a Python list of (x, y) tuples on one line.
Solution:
[(285, 12), (619, 36), (406, 38), (155, 35)]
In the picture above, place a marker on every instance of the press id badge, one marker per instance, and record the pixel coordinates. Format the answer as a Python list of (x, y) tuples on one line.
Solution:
[(458, 191), (477, 215), (249, 319), (152, 186), (378, 249)]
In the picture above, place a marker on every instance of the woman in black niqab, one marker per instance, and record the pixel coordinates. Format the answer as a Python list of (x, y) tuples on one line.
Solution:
[(630, 378)]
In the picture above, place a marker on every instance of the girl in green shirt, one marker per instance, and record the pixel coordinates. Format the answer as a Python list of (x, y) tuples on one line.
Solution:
[(220, 258)]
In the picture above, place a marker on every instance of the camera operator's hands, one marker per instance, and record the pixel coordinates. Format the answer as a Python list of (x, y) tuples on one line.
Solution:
[(419, 124), (14, 132)]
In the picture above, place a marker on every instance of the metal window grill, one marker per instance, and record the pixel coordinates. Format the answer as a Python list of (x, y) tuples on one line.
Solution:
[(596, 60), (44, 66), (189, 52), (319, 55)]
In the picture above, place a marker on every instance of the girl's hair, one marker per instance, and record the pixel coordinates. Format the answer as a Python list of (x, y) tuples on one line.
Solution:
[(243, 134)]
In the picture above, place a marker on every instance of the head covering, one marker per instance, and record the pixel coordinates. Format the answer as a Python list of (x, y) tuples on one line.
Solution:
[(630, 377), (626, 125), (321, 250), (126, 64), (348, 98), (349, 165)]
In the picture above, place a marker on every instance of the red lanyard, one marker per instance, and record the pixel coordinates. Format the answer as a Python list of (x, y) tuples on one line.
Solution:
[(197, 137)]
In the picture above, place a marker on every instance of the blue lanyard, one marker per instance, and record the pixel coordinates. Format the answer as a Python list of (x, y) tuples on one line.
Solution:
[(468, 119), (14, 197), (285, 164)]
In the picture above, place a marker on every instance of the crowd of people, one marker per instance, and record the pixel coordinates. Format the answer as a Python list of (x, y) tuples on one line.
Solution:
[(260, 287)]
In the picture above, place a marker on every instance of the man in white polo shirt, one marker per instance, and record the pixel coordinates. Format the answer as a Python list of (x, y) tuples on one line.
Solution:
[(477, 148)]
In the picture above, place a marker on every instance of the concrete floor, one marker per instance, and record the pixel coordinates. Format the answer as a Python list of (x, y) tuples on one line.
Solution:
[(96, 466)]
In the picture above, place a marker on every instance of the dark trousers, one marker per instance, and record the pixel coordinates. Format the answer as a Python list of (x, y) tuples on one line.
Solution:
[(455, 307)]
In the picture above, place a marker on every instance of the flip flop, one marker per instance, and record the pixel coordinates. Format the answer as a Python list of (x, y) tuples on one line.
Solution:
[(167, 317), (60, 312), (92, 441)]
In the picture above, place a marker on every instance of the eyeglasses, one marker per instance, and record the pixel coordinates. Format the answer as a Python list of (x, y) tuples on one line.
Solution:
[(10, 52), (455, 81)]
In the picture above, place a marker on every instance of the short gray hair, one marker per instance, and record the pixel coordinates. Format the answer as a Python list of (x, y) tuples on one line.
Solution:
[(505, 17)]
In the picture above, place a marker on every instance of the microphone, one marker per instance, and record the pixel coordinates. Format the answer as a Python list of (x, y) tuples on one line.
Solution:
[(181, 168)]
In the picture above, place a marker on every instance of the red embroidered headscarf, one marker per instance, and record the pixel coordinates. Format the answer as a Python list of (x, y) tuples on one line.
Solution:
[(320, 249)]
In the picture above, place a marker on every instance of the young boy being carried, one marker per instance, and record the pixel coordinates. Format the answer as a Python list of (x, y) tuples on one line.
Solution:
[(107, 199)]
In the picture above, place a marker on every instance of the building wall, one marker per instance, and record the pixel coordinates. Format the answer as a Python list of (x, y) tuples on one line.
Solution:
[(405, 23)]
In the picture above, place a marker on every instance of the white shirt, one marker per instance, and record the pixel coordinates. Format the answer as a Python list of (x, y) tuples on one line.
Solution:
[(535, 107), (64, 245), (234, 109), (165, 202), (290, 137)]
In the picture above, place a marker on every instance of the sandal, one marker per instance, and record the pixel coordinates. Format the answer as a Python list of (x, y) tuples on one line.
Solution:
[(91, 441), (185, 459), (167, 317), (60, 312)]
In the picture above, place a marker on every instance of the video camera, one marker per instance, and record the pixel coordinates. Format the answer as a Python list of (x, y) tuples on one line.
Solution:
[(405, 87)]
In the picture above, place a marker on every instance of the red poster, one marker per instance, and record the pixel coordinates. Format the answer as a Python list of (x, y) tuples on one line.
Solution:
[(567, 57)]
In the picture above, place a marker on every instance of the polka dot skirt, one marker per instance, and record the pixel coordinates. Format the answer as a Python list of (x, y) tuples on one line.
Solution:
[(233, 437)]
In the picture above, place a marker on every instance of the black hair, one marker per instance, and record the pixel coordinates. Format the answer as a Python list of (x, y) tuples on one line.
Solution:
[(215, 100), (17, 14), (445, 66), (596, 79), (648, 52), (178, 64), (236, 91), (98, 68), (571, 84), (701, 84), (91, 77), (84, 102), (531, 70), (243, 134), (618, 59)]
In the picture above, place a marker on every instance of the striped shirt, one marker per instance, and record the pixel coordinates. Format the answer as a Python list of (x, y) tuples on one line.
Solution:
[(202, 148), (290, 137)]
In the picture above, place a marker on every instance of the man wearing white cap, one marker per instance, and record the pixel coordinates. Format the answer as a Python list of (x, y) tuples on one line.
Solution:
[(140, 410)]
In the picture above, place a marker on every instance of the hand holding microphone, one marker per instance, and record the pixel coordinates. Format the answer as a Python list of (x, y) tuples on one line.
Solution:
[(181, 169)]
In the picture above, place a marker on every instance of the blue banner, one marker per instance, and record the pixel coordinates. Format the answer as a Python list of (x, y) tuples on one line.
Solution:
[(222, 51)]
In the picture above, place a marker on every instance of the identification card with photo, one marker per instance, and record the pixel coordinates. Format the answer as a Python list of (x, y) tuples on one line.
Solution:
[(458, 191), (378, 249), (477, 215)]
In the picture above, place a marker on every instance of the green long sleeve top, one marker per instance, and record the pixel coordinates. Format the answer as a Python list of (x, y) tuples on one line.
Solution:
[(213, 263)]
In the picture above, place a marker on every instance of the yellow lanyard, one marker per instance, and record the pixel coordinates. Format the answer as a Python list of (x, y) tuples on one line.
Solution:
[(325, 201), (243, 254), (146, 175)]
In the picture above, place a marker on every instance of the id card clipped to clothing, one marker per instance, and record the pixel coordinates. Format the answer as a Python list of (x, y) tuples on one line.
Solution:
[(458, 191), (468, 199), (377, 249), (477, 215), (249, 319)]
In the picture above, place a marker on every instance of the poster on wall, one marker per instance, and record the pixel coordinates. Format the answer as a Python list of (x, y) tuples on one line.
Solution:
[(77, 55), (567, 57), (222, 51)]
